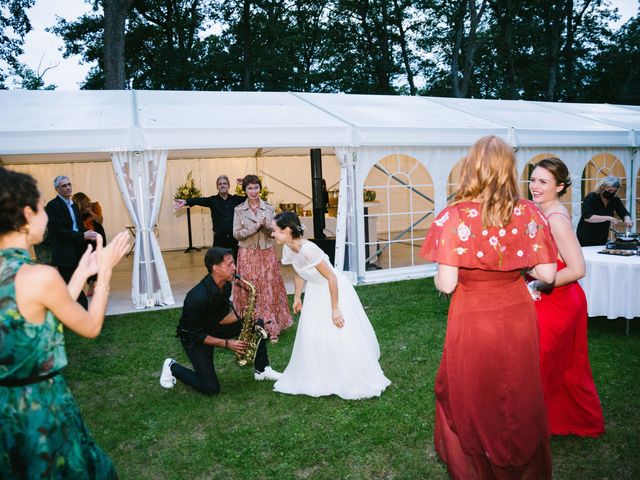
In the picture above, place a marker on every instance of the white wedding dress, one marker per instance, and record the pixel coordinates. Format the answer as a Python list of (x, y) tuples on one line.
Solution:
[(327, 360)]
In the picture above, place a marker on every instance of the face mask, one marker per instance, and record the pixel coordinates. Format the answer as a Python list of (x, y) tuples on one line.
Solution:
[(608, 195)]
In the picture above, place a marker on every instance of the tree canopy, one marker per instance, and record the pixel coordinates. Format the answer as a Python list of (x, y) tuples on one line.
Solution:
[(514, 49)]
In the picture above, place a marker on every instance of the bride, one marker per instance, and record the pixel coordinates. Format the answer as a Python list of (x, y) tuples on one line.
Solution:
[(335, 351)]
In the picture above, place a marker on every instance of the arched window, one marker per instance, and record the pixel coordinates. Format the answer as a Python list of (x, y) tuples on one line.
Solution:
[(600, 166), (453, 181), (399, 207), (526, 174)]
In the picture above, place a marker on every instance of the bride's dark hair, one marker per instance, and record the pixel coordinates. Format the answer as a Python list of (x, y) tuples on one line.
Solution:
[(291, 220)]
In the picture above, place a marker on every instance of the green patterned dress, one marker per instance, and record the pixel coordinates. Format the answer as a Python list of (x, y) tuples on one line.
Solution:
[(42, 434)]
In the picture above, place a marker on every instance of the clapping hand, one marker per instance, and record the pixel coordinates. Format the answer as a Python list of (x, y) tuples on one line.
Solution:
[(109, 256)]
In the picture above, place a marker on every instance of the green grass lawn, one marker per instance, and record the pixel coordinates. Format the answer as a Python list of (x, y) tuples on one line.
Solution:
[(249, 432)]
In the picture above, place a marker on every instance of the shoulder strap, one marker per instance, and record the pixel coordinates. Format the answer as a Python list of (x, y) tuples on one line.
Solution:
[(559, 213)]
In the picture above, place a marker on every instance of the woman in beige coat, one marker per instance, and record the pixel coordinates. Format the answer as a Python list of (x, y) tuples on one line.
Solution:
[(257, 260)]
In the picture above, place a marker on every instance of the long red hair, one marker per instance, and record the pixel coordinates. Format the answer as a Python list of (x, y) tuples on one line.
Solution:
[(489, 176)]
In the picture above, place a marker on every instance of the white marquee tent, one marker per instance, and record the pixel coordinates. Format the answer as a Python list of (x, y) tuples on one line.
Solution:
[(406, 149)]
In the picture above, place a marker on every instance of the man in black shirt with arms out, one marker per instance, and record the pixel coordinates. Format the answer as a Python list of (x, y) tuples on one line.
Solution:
[(221, 206), (208, 321)]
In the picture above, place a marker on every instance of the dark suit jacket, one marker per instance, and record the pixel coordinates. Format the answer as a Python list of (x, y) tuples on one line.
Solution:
[(67, 245)]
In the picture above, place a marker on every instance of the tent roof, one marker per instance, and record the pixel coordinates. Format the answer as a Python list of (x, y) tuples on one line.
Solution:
[(91, 124)]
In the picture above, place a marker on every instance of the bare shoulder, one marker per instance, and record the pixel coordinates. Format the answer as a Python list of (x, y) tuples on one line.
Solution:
[(558, 215), (39, 275)]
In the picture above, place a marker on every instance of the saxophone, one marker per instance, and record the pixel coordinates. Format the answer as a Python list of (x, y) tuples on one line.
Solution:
[(251, 333)]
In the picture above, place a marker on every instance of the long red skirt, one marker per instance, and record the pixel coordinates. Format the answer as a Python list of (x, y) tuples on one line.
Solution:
[(262, 269), (490, 416), (570, 395)]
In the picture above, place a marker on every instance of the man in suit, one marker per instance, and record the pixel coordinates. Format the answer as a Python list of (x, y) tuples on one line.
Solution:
[(66, 232)]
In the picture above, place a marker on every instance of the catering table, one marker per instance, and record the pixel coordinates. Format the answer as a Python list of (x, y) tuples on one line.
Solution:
[(611, 284)]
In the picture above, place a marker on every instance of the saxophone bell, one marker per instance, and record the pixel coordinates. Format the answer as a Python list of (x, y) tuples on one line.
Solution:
[(251, 333)]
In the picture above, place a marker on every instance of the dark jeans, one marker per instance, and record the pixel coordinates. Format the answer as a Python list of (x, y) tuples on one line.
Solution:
[(226, 240), (204, 379), (66, 273)]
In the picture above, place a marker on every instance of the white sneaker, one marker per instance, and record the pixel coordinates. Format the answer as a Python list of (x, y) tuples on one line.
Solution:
[(268, 374), (167, 380)]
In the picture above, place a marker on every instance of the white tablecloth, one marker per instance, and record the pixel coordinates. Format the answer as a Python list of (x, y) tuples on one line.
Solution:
[(611, 284), (329, 226)]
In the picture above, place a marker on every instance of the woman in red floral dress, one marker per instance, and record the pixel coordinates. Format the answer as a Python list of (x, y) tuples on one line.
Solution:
[(570, 395), (257, 260), (490, 416)]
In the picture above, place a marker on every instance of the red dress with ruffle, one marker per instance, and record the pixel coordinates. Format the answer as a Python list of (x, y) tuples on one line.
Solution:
[(490, 416), (570, 395)]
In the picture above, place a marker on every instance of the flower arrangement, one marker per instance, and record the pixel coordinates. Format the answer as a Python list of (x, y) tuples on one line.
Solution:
[(264, 193), (188, 189)]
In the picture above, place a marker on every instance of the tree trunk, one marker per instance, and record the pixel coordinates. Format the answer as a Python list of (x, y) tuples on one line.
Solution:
[(115, 14), (457, 50), (403, 46), (573, 22), (465, 50), (554, 27), (505, 11), (247, 81)]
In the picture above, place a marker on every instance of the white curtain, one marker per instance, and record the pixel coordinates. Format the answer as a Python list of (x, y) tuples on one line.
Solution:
[(346, 258), (140, 177)]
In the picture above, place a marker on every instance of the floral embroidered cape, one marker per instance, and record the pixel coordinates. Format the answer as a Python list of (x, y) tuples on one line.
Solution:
[(458, 238)]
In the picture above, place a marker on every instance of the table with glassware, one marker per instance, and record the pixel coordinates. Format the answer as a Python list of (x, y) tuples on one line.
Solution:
[(611, 284)]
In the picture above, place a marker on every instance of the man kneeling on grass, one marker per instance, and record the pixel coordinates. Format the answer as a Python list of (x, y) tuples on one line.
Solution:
[(209, 321)]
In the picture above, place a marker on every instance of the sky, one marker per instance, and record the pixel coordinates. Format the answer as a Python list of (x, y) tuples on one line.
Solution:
[(43, 49)]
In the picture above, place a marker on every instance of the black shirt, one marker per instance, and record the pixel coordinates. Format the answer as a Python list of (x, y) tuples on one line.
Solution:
[(204, 306), (221, 211), (597, 233)]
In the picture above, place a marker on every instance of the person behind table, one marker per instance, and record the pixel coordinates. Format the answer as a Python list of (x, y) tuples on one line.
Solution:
[(92, 218), (66, 232), (43, 434), (570, 395), (209, 321), (490, 416), (598, 210), (221, 206), (257, 260)]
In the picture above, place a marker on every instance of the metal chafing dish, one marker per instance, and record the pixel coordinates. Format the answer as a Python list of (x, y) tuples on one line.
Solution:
[(624, 241)]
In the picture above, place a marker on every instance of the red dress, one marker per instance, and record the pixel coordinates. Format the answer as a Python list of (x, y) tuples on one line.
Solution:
[(570, 395), (490, 415)]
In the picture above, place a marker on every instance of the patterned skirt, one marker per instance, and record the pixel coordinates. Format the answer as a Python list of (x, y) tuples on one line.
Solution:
[(262, 269), (42, 435)]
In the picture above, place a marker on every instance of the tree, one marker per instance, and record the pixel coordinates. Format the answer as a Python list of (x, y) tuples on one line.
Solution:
[(615, 75), (14, 25), (115, 15), (163, 46)]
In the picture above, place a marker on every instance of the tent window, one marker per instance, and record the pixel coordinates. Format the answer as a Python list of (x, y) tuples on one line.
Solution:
[(397, 220), (600, 166)]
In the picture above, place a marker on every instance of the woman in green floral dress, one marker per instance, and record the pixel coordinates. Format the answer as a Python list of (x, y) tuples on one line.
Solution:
[(42, 434)]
